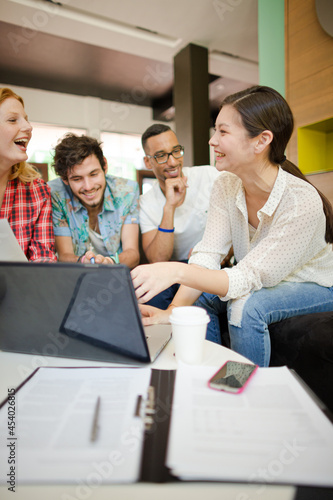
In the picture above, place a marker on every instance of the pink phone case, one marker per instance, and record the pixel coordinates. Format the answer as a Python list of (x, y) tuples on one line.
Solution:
[(236, 391)]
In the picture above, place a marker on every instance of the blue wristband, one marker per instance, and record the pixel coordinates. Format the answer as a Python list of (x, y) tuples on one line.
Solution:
[(166, 230)]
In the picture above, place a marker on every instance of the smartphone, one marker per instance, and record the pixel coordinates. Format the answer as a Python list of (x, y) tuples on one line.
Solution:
[(232, 376)]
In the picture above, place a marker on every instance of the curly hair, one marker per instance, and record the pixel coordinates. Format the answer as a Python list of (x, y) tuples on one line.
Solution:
[(73, 150)]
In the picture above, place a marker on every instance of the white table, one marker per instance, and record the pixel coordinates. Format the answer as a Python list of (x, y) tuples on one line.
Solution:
[(14, 368)]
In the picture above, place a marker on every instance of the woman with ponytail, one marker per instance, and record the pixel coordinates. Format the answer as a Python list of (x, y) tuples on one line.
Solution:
[(279, 225), (25, 199)]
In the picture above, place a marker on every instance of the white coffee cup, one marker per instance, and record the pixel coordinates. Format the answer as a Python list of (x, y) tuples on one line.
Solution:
[(189, 326)]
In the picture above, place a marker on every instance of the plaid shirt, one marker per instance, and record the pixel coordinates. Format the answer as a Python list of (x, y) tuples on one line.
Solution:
[(27, 207)]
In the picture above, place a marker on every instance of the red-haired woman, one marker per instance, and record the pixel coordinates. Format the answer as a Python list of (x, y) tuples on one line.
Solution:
[(25, 199)]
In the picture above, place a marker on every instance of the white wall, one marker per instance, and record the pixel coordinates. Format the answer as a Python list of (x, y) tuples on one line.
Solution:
[(94, 114)]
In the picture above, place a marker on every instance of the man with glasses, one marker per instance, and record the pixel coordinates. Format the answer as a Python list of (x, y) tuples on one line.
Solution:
[(173, 212)]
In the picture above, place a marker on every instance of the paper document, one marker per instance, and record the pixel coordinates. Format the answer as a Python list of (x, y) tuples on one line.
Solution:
[(75, 425), (273, 432)]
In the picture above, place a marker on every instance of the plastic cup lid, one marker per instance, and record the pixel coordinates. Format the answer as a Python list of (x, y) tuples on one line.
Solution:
[(189, 315)]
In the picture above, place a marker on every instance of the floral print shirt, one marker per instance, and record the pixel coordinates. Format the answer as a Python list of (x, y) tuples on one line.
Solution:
[(70, 217)]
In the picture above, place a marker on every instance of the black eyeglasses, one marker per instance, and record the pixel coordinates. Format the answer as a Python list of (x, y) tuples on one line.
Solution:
[(177, 152)]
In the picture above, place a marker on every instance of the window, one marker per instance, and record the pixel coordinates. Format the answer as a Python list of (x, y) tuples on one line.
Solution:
[(123, 153)]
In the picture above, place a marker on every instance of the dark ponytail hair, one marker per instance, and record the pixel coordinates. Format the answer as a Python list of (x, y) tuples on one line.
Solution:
[(263, 108)]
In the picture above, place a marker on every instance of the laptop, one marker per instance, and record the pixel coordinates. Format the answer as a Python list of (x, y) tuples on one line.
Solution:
[(10, 249), (83, 311)]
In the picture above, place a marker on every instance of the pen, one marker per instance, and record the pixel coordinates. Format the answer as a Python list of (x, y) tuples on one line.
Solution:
[(92, 260), (95, 426)]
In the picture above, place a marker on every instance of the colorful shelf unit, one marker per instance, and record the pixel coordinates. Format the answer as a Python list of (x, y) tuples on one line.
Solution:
[(315, 147)]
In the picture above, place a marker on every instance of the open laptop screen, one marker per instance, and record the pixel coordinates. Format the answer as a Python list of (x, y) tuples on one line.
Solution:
[(10, 249), (70, 310)]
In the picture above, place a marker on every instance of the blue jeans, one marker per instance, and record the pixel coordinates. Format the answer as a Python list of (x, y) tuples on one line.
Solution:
[(249, 317), (163, 299)]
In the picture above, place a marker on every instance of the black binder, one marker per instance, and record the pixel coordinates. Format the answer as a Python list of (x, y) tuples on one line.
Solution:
[(153, 467)]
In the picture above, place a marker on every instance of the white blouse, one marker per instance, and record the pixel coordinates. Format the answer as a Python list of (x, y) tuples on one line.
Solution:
[(288, 245)]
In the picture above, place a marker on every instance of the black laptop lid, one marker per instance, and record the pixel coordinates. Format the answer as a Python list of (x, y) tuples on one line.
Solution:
[(71, 310)]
